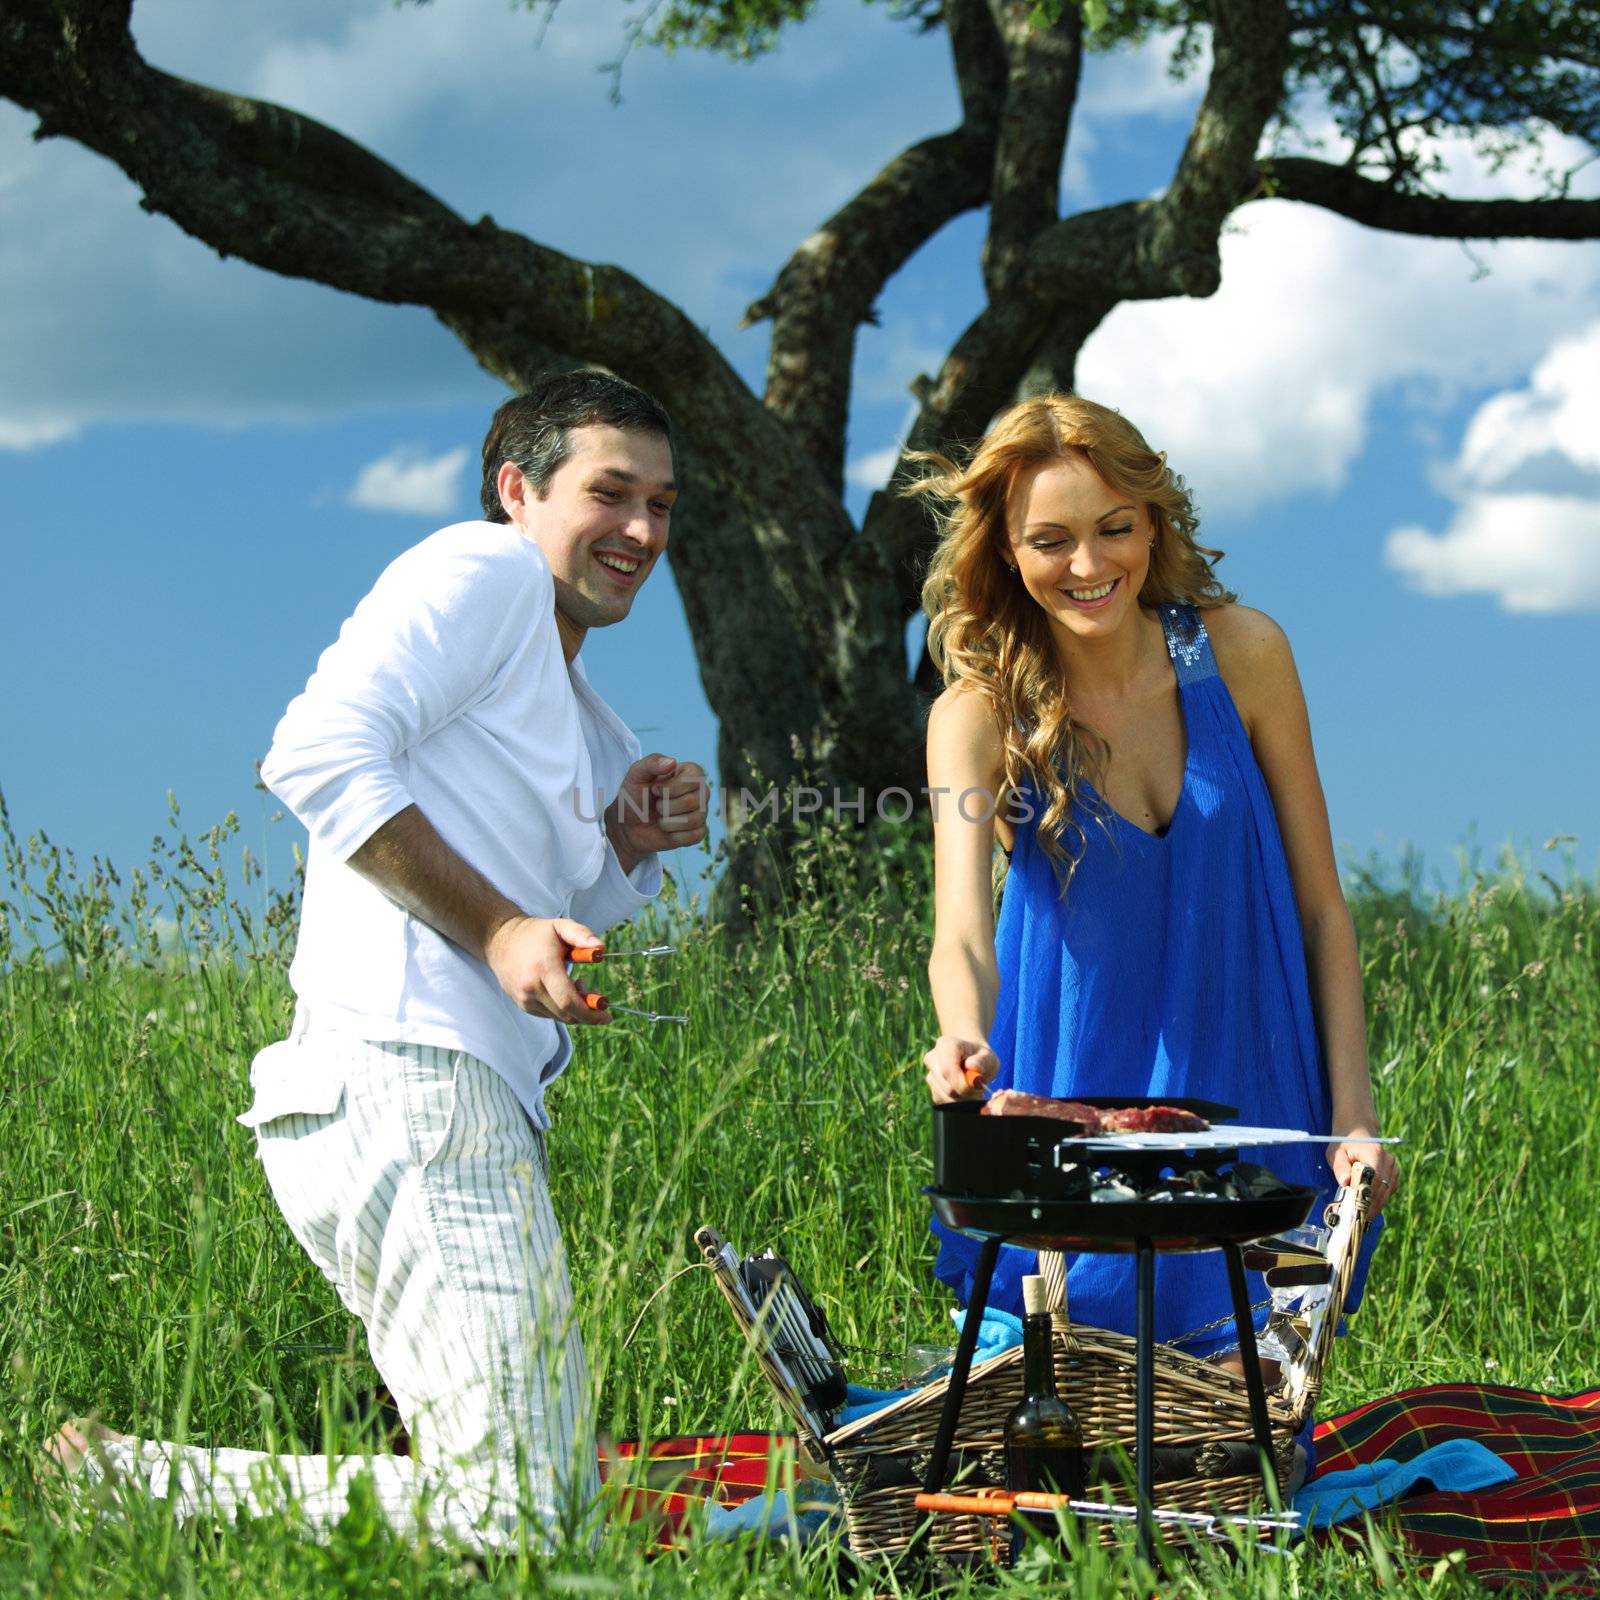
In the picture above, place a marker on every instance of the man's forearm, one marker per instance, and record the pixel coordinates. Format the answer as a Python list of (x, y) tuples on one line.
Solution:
[(412, 864)]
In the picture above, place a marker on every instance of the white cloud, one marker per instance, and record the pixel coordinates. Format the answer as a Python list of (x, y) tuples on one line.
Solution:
[(1125, 86), (1138, 82), (872, 471), (35, 432), (1078, 189), (407, 481), (1534, 552), (889, 359), (1264, 390), (1558, 414), (1527, 482), (115, 315), (110, 315)]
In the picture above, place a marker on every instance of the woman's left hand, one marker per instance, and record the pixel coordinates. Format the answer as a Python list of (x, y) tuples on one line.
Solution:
[(1356, 1149)]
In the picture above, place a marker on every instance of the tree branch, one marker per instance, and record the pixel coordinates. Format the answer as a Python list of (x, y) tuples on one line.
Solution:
[(1217, 170), (1043, 64), (1077, 269), (829, 285), (1054, 369), (979, 376), (1377, 205), (290, 195)]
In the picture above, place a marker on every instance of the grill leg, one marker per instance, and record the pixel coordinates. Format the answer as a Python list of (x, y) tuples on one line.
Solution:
[(1144, 1436), (966, 1346), (1251, 1363)]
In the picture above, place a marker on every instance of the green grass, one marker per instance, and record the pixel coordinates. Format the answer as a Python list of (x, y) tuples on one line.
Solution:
[(145, 1274)]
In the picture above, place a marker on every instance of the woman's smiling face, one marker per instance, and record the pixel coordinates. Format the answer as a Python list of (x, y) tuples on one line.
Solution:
[(1080, 547)]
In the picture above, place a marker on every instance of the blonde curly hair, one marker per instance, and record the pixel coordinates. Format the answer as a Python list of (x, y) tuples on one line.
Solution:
[(986, 632)]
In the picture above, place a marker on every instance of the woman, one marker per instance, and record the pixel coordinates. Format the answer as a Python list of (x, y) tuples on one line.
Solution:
[(1172, 922)]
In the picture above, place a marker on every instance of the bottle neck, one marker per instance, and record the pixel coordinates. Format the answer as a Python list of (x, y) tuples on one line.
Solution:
[(1038, 1363)]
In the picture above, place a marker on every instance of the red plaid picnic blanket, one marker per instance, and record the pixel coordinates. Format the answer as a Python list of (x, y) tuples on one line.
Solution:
[(1545, 1524), (664, 1481)]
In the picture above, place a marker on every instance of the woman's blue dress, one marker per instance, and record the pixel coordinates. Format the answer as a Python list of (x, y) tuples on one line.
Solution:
[(1174, 968)]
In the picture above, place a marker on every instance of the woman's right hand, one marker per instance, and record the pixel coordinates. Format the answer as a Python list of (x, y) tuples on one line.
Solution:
[(949, 1063)]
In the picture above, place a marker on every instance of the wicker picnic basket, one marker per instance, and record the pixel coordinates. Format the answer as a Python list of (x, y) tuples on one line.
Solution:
[(1205, 1456)]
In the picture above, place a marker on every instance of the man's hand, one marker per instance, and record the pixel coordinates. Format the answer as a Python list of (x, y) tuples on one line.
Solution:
[(528, 955), (661, 805), (947, 1065)]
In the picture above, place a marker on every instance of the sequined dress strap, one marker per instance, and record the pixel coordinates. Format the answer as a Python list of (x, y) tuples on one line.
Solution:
[(1188, 643)]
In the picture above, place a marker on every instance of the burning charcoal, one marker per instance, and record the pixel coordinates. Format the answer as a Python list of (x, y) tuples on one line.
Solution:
[(1257, 1183), (1112, 1188), (1182, 1186), (1169, 1189)]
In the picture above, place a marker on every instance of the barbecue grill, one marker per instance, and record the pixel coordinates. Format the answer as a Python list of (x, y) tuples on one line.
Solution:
[(1030, 1181), (1035, 1181), (993, 1174)]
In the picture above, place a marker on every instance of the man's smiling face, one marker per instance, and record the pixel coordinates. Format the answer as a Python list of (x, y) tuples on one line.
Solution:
[(601, 522)]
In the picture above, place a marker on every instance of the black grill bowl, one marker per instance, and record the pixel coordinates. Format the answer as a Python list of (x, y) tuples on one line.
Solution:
[(1115, 1226), (1015, 1157)]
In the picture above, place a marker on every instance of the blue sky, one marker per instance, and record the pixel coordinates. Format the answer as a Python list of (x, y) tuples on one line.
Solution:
[(203, 467)]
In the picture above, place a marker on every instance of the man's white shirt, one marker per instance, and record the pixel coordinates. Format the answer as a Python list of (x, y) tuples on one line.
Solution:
[(448, 689)]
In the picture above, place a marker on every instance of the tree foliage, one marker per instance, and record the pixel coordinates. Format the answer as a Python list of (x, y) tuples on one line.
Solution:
[(1394, 77)]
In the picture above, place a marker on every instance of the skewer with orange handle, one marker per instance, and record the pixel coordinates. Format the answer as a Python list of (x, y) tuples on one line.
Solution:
[(972, 1505), (1003, 1502), (598, 1002), (998, 1504), (587, 954)]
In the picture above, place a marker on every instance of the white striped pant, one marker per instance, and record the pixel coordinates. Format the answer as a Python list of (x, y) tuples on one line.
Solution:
[(416, 1183)]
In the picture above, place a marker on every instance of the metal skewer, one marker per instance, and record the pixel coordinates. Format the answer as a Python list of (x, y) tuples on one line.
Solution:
[(588, 954), (648, 1016), (1006, 1504), (598, 1002)]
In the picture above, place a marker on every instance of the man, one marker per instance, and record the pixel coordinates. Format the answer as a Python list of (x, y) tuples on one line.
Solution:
[(450, 761)]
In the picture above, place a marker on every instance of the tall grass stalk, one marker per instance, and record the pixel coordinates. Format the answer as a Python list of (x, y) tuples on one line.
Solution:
[(146, 1276)]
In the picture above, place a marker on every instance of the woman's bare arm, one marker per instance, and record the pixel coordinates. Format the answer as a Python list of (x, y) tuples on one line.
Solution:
[(965, 758), (1254, 657)]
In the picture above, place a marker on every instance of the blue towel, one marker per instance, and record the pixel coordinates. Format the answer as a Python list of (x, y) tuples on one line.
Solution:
[(1460, 1465), (861, 1402), (998, 1331), (777, 1517)]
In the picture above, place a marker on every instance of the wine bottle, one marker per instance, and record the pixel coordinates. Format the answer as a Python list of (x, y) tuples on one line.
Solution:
[(1043, 1440)]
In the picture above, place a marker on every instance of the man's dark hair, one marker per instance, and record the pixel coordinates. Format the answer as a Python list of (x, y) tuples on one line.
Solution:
[(533, 430)]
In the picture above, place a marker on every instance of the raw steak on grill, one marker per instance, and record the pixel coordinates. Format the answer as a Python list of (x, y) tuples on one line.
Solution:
[(1014, 1103), (1095, 1119), (1151, 1119)]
